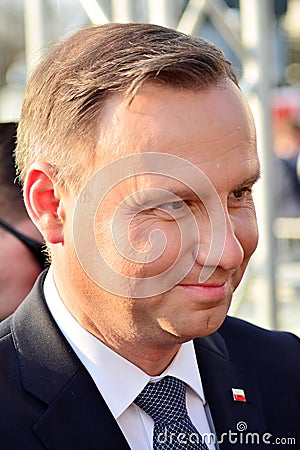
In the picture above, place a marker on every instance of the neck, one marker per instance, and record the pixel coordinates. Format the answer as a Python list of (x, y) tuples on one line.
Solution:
[(152, 350), (151, 358), (153, 362)]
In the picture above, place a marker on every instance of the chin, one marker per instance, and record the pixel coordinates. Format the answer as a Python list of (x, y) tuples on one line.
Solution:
[(183, 332), (211, 320), (213, 325)]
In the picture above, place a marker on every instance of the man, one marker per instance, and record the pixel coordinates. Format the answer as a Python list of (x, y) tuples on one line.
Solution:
[(138, 156), (21, 256)]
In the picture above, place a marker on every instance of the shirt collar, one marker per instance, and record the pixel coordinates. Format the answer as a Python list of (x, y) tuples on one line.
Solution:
[(118, 380)]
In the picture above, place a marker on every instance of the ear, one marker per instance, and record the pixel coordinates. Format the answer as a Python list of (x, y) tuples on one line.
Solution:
[(43, 202)]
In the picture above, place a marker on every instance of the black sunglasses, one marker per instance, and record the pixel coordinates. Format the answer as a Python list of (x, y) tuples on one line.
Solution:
[(34, 246)]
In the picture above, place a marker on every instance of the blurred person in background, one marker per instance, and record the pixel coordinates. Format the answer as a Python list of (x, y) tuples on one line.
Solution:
[(286, 144), (21, 255), (286, 184)]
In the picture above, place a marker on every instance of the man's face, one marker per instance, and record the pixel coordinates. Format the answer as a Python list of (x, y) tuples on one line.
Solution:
[(183, 219)]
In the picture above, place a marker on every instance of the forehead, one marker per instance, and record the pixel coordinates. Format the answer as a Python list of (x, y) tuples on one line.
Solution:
[(208, 128)]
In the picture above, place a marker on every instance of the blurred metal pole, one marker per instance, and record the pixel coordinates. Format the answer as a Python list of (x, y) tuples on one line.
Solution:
[(94, 11), (123, 10), (163, 12), (193, 16), (222, 18), (256, 23), (33, 31)]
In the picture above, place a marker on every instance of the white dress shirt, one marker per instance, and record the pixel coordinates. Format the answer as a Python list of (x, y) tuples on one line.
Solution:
[(120, 382)]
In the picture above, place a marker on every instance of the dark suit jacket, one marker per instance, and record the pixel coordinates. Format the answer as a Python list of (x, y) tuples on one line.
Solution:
[(49, 401)]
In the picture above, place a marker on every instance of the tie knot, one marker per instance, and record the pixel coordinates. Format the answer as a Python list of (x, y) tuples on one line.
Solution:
[(164, 400)]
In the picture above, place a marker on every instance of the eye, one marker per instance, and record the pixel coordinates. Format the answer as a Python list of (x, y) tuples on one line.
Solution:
[(172, 206), (170, 210), (242, 192), (241, 196)]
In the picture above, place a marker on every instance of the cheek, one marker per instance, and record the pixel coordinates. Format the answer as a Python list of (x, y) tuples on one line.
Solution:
[(139, 250), (158, 243)]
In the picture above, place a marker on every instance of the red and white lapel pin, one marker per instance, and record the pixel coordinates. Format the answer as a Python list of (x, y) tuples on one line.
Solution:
[(238, 395)]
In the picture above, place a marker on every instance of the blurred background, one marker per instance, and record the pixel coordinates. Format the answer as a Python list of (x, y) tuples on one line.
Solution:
[(262, 40)]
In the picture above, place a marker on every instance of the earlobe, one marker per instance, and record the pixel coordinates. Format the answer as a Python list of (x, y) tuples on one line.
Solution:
[(43, 202)]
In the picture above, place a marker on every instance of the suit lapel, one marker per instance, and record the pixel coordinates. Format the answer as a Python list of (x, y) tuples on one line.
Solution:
[(74, 413), (79, 418), (219, 375)]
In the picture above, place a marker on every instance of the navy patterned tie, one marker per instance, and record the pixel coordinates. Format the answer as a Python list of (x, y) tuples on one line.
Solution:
[(164, 401)]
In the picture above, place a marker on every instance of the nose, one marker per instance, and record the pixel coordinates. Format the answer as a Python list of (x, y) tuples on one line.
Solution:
[(220, 247), (233, 252)]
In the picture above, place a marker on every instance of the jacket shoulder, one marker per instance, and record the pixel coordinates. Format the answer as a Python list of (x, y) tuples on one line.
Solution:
[(249, 342)]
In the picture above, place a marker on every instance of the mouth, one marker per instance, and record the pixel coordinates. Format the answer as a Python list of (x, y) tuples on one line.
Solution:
[(207, 292)]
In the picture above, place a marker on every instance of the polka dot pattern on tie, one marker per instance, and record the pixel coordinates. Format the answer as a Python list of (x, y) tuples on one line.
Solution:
[(165, 402)]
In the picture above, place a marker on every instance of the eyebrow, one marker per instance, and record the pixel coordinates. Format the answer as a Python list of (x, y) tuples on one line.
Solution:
[(250, 181), (188, 192), (151, 197)]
